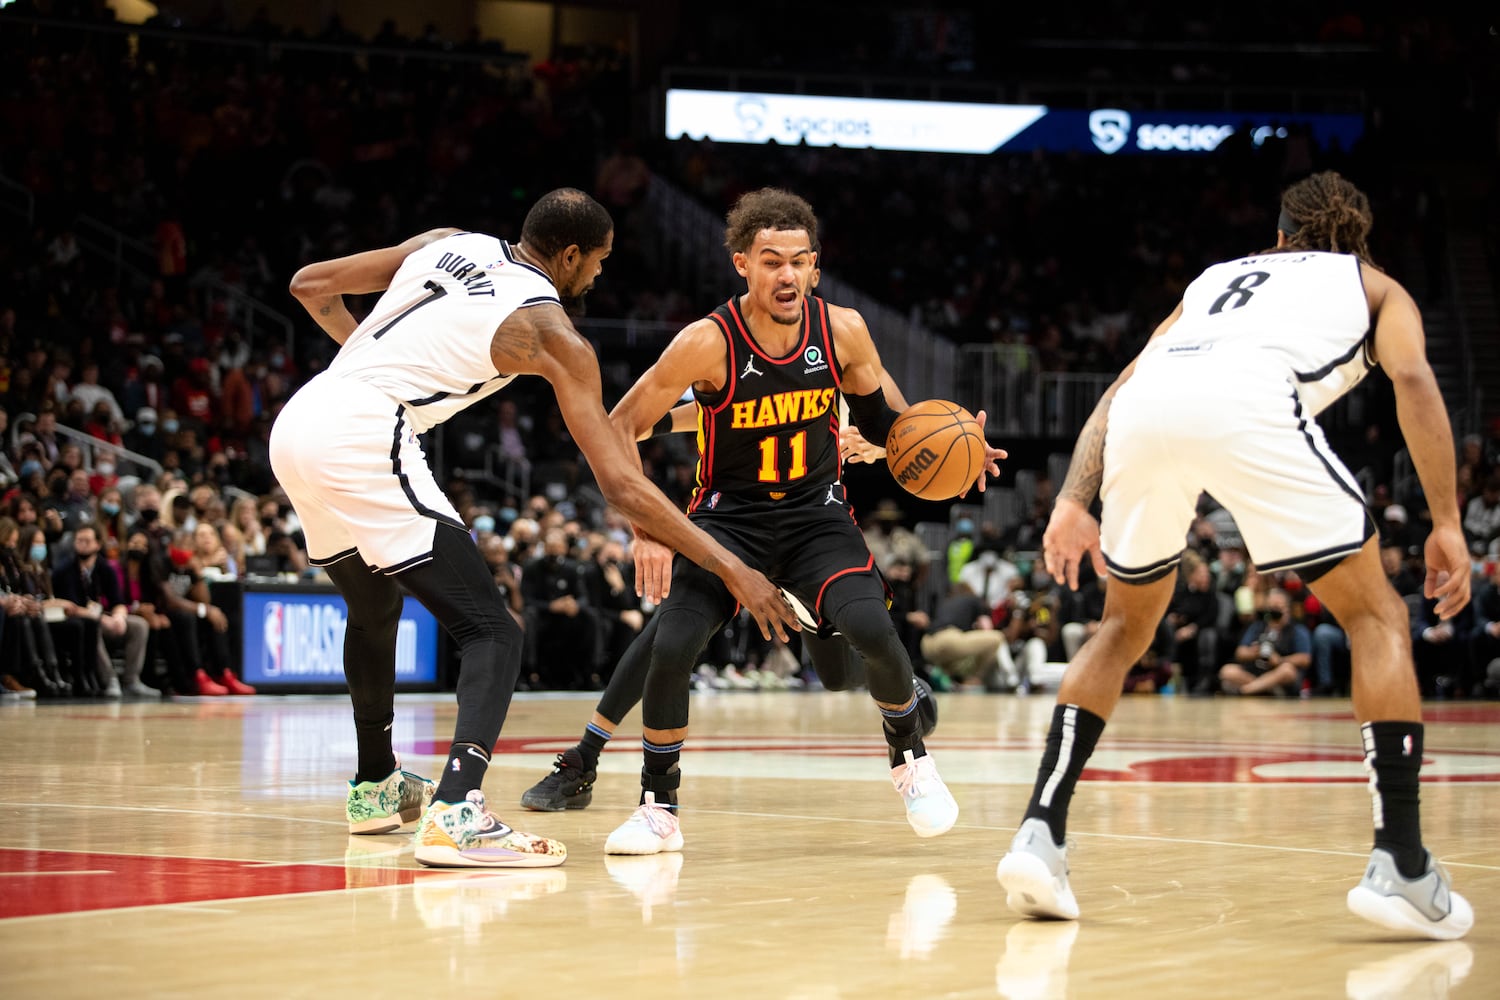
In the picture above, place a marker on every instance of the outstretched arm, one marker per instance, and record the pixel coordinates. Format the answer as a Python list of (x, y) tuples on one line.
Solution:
[(321, 287)]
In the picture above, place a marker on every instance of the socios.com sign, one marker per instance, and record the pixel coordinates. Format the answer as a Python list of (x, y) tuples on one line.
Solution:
[(852, 122), (932, 126), (294, 639)]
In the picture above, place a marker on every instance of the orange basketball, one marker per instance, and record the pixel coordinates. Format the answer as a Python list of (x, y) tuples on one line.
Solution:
[(935, 449)]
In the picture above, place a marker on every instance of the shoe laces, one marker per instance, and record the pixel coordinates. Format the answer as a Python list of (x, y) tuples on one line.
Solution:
[(658, 818), (914, 778), (567, 761)]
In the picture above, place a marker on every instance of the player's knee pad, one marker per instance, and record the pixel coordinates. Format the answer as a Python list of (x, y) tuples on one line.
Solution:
[(680, 637), (867, 625)]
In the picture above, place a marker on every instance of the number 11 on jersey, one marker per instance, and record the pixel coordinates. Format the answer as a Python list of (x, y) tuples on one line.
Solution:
[(770, 458)]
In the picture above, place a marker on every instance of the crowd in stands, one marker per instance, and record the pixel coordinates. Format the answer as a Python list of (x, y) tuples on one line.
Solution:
[(235, 164)]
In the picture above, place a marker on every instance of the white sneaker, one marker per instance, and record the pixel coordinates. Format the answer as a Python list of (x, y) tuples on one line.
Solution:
[(135, 689), (651, 829), (1034, 874), (112, 689), (930, 808), (1425, 906)]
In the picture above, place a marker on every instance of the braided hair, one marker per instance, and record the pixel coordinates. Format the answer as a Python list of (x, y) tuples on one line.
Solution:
[(1327, 212)]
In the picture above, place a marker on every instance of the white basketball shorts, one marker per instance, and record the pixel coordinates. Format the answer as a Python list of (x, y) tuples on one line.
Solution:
[(1244, 437), (357, 476)]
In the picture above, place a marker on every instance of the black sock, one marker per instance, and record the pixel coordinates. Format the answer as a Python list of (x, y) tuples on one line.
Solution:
[(376, 758), (660, 774), (903, 731), (1393, 752), (463, 772), (1070, 743), (591, 746)]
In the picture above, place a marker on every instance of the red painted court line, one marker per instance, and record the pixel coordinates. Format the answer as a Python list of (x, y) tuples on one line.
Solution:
[(37, 883)]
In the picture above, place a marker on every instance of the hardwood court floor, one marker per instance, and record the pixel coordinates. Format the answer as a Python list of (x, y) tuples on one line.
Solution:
[(197, 849)]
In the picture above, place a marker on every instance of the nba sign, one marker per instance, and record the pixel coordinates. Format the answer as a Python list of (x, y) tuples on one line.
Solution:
[(295, 638)]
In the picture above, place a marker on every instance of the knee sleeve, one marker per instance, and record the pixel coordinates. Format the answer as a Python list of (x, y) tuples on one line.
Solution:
[(374, 615), (866, 623), (835, 661), (679, 639)]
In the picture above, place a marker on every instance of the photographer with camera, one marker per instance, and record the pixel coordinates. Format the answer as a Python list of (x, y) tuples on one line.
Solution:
[(1273, 653)]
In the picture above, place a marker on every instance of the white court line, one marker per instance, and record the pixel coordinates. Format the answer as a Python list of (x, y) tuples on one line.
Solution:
[(173, 811)]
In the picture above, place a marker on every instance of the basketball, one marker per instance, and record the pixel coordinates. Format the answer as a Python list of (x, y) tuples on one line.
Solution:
[(935, 449)]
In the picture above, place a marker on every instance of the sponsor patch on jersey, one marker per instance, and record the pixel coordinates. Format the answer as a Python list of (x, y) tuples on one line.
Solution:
[(813, 356), (1190, 349)]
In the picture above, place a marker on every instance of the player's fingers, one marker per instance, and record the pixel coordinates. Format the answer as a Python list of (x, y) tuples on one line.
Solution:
[(1097, 554), (1071, 566)]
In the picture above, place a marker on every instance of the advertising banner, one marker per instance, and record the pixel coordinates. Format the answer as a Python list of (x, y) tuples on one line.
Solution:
[(946, 127), (295, 638)]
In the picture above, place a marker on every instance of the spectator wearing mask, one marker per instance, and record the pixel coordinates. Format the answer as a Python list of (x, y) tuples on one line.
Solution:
[(1272, 654), (145, 437)]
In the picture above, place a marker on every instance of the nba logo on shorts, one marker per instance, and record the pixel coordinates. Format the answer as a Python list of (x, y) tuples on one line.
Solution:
[(713, 499), (273, 632)]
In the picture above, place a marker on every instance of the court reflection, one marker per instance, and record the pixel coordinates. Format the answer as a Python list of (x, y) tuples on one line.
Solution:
[(1034, 965), (1426, 973), (926, 911)]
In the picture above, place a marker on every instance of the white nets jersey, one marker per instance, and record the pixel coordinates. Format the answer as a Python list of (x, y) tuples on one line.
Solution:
[(1302, 313), (427, 341)]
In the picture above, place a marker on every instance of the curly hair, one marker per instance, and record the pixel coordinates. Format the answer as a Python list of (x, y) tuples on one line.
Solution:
[(1330, 214), (768, 208)]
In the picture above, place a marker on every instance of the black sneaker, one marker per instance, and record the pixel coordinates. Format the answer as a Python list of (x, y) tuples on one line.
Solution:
[(569, 786), (926, 707)]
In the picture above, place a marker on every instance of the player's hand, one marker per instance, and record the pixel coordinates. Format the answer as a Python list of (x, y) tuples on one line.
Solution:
[(763, 599), (855, 447), (653, 568), (1071, 531), (1448, 570), (992, 459)]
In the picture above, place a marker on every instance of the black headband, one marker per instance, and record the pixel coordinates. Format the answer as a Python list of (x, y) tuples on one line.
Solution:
[(1287, 224)]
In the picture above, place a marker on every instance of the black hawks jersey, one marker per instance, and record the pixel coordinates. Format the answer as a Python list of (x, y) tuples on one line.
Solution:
[(772, 431)]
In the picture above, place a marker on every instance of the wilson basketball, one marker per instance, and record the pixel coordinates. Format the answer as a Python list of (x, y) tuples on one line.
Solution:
[(935, 449)]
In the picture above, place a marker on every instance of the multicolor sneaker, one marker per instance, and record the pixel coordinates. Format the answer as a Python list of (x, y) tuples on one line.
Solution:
[(569, 786), (930, 808), (1426, 905), (385, 806), (651, 829), (1034, 874), (467, 835)]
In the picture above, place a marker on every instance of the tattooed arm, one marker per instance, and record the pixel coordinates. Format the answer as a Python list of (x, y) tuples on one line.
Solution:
[(1072, 531), (321, 287)]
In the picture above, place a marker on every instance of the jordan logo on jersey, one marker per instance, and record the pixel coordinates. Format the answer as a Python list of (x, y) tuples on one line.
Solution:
[(831, 498), (750, 369)]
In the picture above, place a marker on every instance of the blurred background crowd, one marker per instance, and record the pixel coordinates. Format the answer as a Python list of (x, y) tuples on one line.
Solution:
[(167, 167)]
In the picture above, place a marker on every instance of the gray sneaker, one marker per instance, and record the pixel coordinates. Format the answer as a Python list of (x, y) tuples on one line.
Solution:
[(1426, 905), (1034, 874)]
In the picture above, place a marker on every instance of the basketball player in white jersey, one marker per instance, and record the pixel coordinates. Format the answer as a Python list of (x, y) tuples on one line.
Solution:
[(1223, 399), (462, 315)]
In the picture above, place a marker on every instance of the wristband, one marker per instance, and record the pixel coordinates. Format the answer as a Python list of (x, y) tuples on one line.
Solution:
[(663, 426), (202, 610)]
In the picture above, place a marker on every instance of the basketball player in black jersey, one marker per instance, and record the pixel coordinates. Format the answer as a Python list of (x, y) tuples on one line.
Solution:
[(570, 785), (767, 369)]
